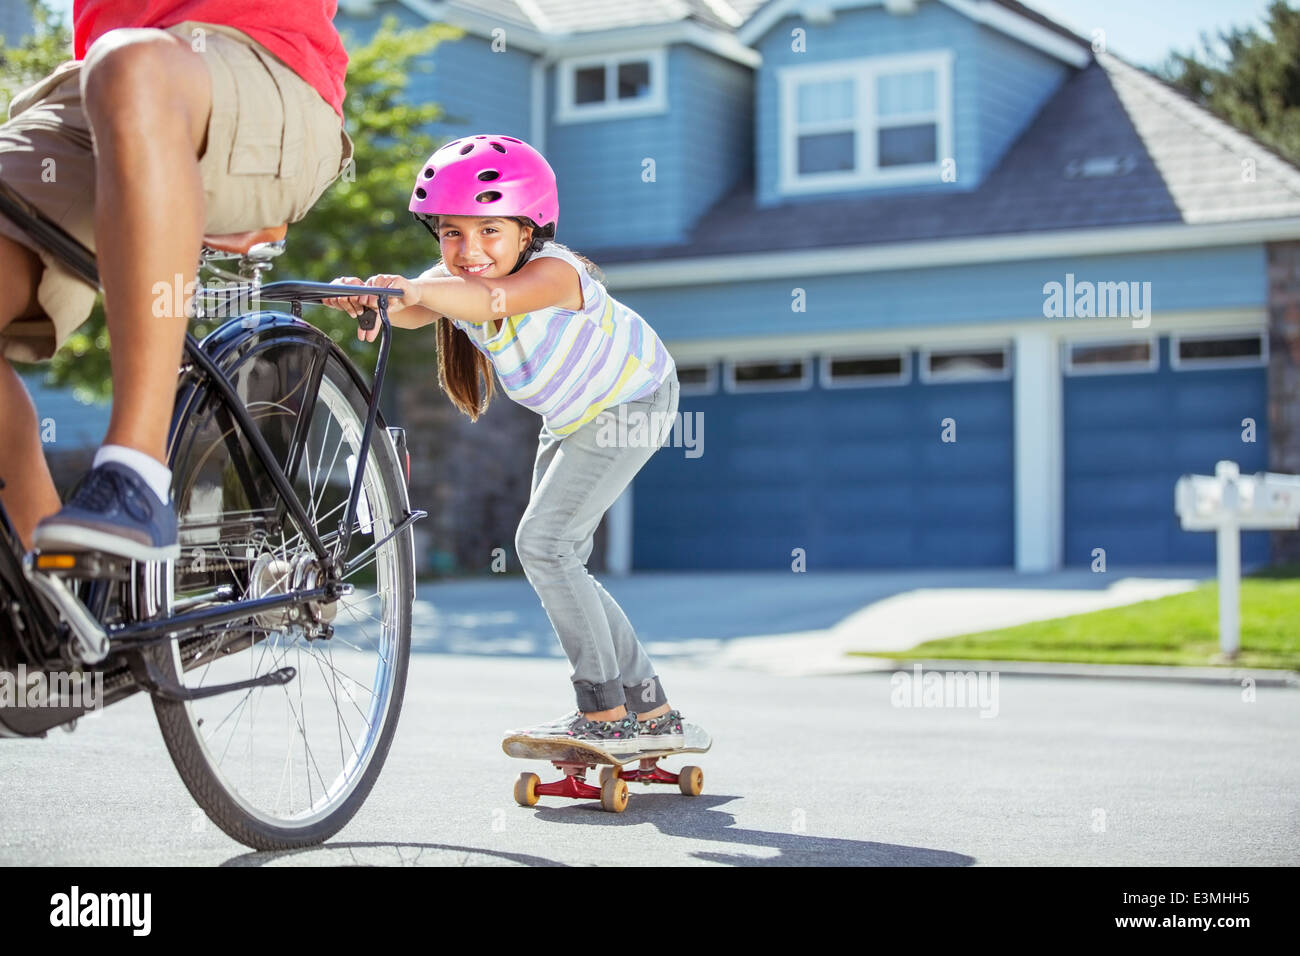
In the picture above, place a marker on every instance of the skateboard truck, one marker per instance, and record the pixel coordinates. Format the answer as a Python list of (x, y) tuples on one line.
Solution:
[(575, 757), (612, 792)]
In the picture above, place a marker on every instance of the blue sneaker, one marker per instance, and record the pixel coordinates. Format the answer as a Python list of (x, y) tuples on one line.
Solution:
[(112, 511)]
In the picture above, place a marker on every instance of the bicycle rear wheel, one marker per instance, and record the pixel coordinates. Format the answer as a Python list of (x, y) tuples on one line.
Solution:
[(287, 766)]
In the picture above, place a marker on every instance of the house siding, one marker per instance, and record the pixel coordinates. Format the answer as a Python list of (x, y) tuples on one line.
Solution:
[(479, 90), (1187, 280)]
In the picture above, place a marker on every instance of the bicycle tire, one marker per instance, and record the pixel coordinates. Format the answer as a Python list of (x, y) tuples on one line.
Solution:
[(257, 361)]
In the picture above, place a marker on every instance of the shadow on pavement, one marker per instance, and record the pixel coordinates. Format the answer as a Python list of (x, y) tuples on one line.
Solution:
[(389, 854), (697, 819)]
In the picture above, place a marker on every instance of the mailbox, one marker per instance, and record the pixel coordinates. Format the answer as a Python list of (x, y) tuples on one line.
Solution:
[(1263, 501), (1227, 503)]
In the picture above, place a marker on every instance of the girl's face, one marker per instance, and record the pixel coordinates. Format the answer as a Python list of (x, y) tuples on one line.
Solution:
[(481, 245)]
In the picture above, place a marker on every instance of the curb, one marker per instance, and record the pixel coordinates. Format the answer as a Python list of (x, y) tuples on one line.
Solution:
[(1188, 675)]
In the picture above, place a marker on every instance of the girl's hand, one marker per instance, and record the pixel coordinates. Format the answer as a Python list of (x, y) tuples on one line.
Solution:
[(355, 305), (344, 303)]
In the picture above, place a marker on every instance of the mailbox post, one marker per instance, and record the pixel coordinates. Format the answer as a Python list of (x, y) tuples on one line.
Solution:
[(1227, 504)]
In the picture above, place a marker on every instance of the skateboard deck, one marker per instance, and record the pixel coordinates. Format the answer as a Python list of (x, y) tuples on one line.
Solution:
[(576, 757)]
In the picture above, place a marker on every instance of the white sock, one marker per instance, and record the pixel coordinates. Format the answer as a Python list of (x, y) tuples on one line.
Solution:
[(155, 474)]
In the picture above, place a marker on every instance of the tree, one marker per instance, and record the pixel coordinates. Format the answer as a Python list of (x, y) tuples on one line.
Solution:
[(49, 44), (350, 230), (1254, 83)]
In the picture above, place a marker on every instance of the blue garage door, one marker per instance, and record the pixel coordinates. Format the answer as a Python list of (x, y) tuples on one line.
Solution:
[(857, 477), (1130, 436)]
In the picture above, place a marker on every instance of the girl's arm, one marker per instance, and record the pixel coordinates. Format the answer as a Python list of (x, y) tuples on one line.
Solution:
[(540, 284)]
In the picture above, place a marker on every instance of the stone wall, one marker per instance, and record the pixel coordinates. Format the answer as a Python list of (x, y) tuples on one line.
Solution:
[(1284, 376), (473, 478)]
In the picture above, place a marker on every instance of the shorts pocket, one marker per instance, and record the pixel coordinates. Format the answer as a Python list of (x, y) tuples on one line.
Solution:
[(264, 143)]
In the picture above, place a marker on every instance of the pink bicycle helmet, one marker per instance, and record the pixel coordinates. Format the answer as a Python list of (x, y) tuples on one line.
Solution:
[(488, 175)]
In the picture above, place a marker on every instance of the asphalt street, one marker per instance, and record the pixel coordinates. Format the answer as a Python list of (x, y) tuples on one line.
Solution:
[(804, 770)]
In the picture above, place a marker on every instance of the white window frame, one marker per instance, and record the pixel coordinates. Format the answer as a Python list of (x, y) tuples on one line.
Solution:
[(929, 378), (864, 73), (867, 381), (710, 385), (1111, 368), (611, 107), (1179, 364), (731, 386)]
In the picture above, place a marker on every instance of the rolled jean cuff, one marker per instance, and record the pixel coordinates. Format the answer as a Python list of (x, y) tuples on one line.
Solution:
[(645, 696), (604, 696)]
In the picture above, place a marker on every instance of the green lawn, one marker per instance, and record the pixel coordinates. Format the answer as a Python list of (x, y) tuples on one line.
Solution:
[(1180, 629)]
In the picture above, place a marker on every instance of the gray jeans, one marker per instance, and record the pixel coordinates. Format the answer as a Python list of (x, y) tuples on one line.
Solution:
[(575, 480)]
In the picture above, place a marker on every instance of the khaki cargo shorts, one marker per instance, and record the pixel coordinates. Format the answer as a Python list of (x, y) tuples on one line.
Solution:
[(273, 146)]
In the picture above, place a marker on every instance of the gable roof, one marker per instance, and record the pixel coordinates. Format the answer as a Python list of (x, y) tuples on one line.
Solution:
[(744, 20), (1114, 146)]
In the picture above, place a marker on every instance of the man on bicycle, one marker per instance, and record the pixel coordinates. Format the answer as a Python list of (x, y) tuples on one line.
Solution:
[(176, 119)]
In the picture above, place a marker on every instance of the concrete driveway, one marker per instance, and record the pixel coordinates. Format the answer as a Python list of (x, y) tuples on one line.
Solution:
[(783, 622)]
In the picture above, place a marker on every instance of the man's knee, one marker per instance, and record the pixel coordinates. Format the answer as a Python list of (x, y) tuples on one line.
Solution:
[(121, 80)]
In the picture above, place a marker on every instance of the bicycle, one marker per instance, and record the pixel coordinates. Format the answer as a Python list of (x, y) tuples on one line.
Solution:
[(275, 649)]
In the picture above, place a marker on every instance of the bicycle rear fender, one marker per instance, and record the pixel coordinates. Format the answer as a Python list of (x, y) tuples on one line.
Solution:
[(240, 336)]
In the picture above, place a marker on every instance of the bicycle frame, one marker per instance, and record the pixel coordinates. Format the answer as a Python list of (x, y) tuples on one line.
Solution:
[(43, 606)]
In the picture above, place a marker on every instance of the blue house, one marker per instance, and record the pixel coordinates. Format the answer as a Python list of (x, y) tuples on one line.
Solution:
[(945, 285)]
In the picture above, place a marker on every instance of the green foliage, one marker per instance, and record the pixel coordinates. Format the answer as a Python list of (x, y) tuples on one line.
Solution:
[(1253, 82), (36, 56), (358, 227)]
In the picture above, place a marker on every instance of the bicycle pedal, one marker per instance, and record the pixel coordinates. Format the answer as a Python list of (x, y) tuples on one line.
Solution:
[(82, 564)]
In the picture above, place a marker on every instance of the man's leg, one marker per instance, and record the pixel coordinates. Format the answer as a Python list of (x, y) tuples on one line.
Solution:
[(29, 493), (149, 214), (146, 97)]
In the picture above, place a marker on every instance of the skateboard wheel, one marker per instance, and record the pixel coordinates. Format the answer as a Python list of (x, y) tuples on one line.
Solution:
[(526, 789), (607, 774), (613, 795), (691, 781)]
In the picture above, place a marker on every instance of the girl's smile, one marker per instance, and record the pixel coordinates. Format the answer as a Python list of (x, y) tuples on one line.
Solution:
[(477, 246)]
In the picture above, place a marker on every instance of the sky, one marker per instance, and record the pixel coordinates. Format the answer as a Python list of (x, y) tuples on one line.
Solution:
[(1141, 31)]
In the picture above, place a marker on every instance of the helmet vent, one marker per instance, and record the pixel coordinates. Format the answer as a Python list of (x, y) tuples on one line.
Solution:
[(466, 148), (490, 195), (428, 172), (498, 147), (512, 139), (488, 175), (420, 193)]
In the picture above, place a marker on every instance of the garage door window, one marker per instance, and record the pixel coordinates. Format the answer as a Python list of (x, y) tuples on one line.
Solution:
[(767, 375), (700, 379), (965, 365), (857, 371), (1219, 351), (1111, 358)]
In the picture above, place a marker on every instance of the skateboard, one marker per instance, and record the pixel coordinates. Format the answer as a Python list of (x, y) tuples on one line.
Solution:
[(576, 757)]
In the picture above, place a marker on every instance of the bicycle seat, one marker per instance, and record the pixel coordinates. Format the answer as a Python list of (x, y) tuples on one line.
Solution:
[(241, 242)]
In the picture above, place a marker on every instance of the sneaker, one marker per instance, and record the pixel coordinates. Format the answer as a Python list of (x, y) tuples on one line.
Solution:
[(664, 732), (112, 511), (612, 736), (549, 729)]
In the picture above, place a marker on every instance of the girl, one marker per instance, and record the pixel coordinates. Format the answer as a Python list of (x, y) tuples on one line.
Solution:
[(507, 297)]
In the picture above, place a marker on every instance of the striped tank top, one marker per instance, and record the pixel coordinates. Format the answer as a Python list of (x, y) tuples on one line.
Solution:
[(570, 366)]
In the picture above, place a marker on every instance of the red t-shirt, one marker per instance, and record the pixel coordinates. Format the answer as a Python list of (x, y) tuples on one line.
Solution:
[(299, 32)]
